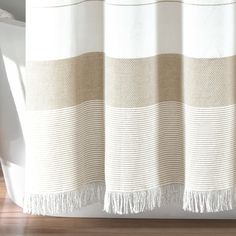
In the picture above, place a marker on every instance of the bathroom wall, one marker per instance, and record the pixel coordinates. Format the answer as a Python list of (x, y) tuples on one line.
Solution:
[(16, 7)]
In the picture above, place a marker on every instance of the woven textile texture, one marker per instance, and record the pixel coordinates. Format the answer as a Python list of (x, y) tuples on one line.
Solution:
[(131, 103)]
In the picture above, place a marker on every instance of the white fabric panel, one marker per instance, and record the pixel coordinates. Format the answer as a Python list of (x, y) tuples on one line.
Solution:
[(56, 33), (51, 3), (203, 32), (209, 32), (195, 31), (198, 2), (55, 3)]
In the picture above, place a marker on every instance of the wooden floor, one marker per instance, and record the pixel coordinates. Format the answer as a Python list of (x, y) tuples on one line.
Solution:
[(13, 222)]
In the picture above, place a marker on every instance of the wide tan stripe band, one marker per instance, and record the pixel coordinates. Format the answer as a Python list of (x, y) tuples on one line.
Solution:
[(131, 82), (63, 83), (147, 81)]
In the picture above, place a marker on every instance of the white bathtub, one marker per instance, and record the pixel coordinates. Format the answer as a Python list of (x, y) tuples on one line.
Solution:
[(12, 146)]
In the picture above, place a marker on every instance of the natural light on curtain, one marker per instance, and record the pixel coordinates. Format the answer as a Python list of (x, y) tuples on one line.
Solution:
[(131, 103)]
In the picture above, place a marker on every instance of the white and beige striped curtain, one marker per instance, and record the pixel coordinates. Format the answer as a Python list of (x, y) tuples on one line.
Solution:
[(131, 103)]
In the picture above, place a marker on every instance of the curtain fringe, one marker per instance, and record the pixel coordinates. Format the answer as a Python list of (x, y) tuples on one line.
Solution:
[(209, 201), (141, 201), (193, 201), (130, 202), (55, 203)]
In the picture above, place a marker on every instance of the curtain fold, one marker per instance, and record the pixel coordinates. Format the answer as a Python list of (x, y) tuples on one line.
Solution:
[(131, 103)]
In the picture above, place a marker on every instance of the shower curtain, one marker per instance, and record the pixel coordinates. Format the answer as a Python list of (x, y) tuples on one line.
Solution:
[(131, 103)]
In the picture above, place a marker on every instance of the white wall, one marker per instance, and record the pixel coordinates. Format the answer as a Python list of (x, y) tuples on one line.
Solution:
[(16, 7)]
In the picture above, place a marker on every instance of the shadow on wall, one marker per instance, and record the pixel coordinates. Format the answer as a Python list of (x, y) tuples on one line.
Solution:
[(16, 7)]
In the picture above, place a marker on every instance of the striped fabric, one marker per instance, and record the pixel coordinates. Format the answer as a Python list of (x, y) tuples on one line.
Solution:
[(131, 103)]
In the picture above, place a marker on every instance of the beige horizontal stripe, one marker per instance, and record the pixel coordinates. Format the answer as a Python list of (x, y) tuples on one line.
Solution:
[(170, 77), (131, 82), (67, 82)]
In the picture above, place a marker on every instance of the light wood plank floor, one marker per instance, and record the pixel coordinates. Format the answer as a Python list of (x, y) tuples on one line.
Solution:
[(14, 223)]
